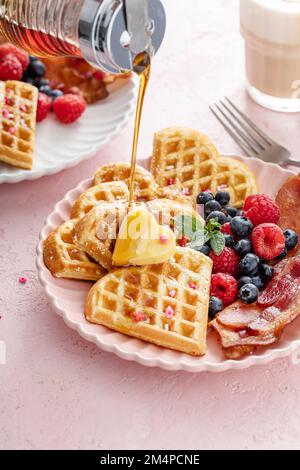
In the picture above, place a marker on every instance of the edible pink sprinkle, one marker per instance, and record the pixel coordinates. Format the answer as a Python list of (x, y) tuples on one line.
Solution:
[(164, 239), (169, 312), (8, 101), (186, 192), (23, 108), (138, 316), (11, 130), (22, 280), (172, 293), (192, 285), (5, 113), (171, 181), (221, 187)]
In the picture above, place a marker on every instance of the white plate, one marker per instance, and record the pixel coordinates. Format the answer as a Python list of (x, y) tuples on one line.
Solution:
[(68, 297), (60, 146)]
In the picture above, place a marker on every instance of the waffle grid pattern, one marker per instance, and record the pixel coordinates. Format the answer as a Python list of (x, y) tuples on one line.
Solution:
[(114, 298), (145, 185), (18, 104), (104, 192), (190, 159), (65, 260)]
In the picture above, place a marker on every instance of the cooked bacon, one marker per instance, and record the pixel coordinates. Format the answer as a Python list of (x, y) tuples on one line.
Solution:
[(288, 200), (241, 326), (239, 316)]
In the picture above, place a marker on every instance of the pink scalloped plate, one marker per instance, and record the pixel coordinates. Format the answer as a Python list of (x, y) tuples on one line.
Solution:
[(68, 297)]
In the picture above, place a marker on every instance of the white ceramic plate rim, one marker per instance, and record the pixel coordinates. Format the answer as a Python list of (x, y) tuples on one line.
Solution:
[(183, 362), (31, 175)]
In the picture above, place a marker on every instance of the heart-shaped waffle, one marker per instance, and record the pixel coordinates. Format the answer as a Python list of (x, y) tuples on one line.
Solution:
[(164, 304), (187, 157), (103, 192), (144, 182), (66, 260), (96, 233)]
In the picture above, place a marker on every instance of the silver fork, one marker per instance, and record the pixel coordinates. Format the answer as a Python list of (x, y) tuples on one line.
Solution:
[(252, 140)]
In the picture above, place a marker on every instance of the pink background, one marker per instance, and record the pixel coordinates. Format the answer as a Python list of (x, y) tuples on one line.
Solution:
[(57, 390)]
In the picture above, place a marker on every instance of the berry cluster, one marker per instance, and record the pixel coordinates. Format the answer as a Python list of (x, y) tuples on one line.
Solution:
[(252, 240), (18, 65)]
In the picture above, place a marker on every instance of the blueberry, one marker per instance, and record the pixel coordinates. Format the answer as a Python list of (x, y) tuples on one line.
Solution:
[(212, 206), (32, 58), (243, 247), (36, 69), (41, 82), (217, 215), (266, 271), (243, 281), (258, 282), (223, 197), (46, 89), (248, 266), (291, 239), (229, 240), (204, 197), (282, 255), (249, 293), (55, 94), (215, 306), (205, 250), (228, 219), (232, 211), (241, 226)]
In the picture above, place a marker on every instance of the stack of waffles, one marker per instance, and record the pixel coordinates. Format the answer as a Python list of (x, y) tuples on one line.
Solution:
[(165, 304)]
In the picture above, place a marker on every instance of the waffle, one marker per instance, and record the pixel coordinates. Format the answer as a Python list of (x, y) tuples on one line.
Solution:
[(145, 185), (114, 299), (189, 158), (18, 105), (75, 73), (104, 192), (65, 260), (96, 233)]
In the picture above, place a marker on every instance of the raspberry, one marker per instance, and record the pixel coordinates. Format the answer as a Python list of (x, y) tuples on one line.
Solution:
[(10, 68), (69, 108), (224, 287), (227, 262), (260, 209), (227, 230), (44, 107), (268, 241), (183, 241), (10, 49)]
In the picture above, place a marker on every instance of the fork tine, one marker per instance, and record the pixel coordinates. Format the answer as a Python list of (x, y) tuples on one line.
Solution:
[(239, 132), (230, 132), (249, 132), (260, 133)]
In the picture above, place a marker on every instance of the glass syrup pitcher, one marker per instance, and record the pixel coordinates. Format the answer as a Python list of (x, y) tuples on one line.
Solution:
[(109, 34)]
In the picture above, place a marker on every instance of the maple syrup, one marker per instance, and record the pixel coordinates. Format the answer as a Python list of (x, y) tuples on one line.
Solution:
[(142, 67), (36, 42)]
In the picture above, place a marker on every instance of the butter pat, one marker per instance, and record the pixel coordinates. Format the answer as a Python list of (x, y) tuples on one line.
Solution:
[(142, 241)]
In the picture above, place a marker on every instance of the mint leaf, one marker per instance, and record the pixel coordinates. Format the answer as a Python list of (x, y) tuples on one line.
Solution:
[(217, 242), (187, 225), (213, 226), (198, 240)]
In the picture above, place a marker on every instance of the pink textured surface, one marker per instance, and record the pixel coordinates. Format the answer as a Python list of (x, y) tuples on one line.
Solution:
[(58, 391)]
